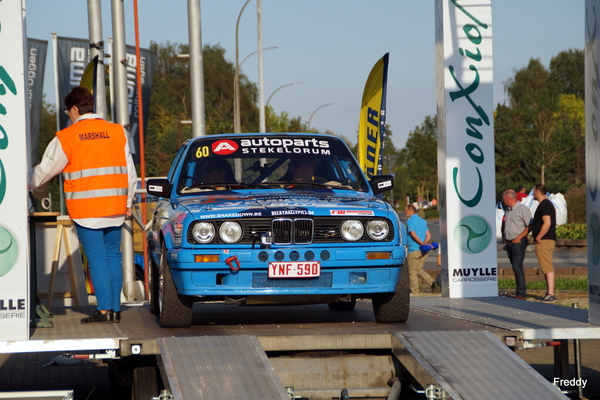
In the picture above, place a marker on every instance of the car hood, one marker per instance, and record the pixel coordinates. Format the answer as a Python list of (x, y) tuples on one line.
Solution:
[(237, 205)]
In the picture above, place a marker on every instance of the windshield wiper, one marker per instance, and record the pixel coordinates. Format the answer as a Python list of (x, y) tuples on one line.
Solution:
[(328, 185), (229, 185)]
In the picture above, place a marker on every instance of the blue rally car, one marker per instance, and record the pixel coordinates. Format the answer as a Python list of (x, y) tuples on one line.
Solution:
[(255, 219)]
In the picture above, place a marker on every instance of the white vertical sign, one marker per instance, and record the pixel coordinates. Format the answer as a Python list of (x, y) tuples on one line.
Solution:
[(14, 245), (592, 157), (466, 147)]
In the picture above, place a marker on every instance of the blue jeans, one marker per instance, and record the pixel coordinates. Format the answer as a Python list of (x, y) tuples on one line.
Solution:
[(103, 250), (516, 255)]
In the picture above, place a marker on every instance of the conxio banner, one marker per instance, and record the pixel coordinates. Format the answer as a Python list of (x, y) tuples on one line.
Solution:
[(14, 244), (466, 169)]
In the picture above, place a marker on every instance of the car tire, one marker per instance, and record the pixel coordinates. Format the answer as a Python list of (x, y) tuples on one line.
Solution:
[(394, 307), (153, 279), (175, 310), (343, 305)]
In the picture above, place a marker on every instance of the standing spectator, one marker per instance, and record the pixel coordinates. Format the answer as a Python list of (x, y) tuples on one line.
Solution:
[(516, 228), (543, 229), (99, 184), (418, 234), (521, 193)]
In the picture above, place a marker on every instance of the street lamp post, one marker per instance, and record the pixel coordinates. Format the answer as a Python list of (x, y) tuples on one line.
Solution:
[(236, 91), (318, 108), (237, 126), (276, 90)]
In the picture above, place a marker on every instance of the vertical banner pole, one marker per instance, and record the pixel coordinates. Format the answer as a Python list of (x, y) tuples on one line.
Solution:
[(592, 157), (466, 170)]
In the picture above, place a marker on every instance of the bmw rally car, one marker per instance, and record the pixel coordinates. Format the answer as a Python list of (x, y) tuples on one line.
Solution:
[(273, 219)]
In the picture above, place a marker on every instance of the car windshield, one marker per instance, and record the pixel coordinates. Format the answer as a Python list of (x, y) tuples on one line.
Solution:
[(284, 162)]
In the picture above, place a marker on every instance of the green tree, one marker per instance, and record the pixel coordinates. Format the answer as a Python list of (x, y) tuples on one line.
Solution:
[(567, 71), (170, 102), (512, 158), (418, 160), (538, 122)]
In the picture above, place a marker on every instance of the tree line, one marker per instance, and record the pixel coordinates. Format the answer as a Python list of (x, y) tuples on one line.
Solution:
[(539, 130)]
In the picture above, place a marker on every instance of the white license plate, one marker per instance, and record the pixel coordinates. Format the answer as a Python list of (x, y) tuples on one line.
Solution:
[(294, 269)]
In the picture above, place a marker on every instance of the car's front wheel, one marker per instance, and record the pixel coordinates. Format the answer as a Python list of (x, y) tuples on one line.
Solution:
[(175, 310), (394, 307)]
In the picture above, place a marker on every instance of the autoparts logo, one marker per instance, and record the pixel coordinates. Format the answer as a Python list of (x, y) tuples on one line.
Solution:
[(472, 234), (594, 239), (8, 251)]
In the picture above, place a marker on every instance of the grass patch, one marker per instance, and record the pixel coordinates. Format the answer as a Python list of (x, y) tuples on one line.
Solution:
[(559, 284)]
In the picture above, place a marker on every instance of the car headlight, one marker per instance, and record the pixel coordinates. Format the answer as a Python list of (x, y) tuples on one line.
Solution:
[(203, 232), (230, 232), (352, 230), (378, 229)]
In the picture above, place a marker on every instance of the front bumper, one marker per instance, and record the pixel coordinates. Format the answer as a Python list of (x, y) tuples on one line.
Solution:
[(343, 271)]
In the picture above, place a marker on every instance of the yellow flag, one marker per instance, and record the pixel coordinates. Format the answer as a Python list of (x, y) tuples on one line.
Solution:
[(87, 79), (371, 127)]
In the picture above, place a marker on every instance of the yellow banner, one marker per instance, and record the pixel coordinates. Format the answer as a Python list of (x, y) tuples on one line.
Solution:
[(371, 127)]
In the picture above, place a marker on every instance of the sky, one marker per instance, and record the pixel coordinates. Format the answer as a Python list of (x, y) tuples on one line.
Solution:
[(330, 46)]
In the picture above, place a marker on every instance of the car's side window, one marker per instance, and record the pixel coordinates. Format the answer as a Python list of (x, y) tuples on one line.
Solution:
[(175, 165)]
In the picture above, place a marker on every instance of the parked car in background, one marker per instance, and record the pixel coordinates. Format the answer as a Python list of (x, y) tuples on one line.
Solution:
[(254, 219)]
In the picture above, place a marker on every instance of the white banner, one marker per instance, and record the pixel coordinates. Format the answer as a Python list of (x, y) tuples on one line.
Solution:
[(466, 147), (592, 157), (14, 244)]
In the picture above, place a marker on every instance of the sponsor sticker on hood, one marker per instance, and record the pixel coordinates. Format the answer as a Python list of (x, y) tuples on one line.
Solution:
[(362, 213)]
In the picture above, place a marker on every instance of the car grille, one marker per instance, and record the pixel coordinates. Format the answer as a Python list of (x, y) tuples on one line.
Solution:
[(299, 231)]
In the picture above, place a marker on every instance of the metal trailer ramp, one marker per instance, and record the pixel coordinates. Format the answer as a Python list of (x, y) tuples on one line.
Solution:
[(535, 320), (470, 365), (218, 367)]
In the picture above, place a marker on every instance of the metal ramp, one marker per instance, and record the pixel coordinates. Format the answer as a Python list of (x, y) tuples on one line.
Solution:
[(218, 367), (536, 321), (470, 365)]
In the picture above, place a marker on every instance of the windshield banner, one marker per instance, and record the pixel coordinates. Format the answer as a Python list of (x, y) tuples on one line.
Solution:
[(371, 127)]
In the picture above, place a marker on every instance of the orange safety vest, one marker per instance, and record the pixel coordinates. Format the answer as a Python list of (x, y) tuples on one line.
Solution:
[(95, 178)]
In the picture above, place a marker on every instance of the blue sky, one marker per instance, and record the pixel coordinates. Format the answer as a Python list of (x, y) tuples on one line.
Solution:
[(331, 45)]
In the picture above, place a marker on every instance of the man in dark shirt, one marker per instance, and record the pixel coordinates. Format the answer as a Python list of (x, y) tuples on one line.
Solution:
[(543, 229)]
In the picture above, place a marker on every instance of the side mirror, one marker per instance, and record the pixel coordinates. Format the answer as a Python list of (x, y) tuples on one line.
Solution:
[(382, 183), (159, 187)]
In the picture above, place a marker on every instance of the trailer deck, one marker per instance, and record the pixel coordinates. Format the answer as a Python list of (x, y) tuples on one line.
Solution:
[(481, 327)]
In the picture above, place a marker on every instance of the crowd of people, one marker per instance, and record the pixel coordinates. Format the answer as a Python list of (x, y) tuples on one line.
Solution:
[(518, 223)]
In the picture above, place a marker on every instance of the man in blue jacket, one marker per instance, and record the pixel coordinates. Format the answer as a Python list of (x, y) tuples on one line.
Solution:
[(418, 235)]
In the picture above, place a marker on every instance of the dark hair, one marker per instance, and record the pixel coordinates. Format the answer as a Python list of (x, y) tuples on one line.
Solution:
[(540, 187), (81, 98), (412, 207), (521, 187)]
